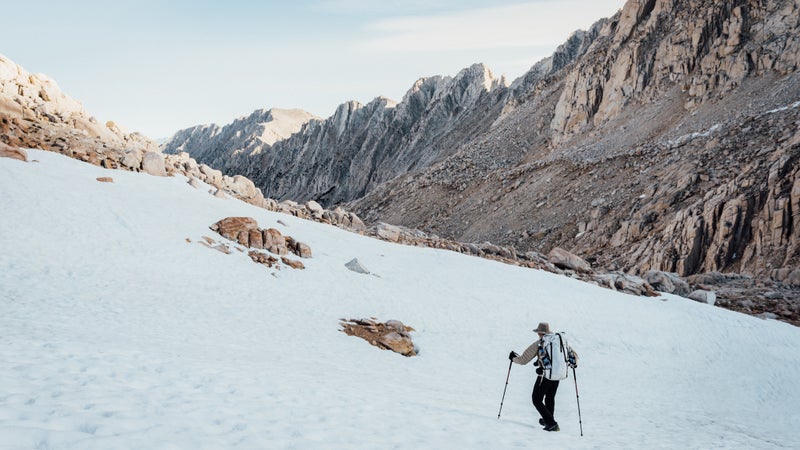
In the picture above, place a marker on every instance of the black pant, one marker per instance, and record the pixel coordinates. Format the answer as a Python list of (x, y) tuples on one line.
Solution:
[(544, 398)]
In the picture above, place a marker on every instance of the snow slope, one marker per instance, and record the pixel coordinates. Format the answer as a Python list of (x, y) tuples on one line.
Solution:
[(117, 333)]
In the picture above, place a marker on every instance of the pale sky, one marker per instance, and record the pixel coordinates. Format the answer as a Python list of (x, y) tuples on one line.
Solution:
[(160, 66)]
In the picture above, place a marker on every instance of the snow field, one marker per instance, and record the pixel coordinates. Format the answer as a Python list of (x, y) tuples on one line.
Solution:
[(117, 333)]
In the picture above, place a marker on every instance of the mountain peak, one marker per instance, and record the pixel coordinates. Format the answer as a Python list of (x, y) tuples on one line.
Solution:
[(480, 73)]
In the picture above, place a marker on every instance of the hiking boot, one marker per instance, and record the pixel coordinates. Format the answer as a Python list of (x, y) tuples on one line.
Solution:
[(553, 427), (542, 422)]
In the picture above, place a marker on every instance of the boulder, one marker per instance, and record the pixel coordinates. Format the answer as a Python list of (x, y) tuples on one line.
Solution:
[(356, 224), (231, 227), (355, 265), (566, 260), (703, 296), (388, 232), (274, 241), (132, 159), (314, 207), (7, 151), (256, 238), (153, 164), (292, 263), (667, 282), (105, 179), (212, 176), (302, 250), (241, 187), (243, 238), (392, 335)]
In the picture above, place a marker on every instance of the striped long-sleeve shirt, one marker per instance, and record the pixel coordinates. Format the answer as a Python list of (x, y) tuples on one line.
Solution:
[(527, 356)]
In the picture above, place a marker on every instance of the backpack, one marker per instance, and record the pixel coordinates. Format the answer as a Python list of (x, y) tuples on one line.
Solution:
[(554, 356)]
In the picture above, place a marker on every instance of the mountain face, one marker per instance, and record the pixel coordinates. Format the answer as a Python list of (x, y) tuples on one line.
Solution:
[(665, 137), (360, 146), (671, 144), (344, 157), (225, 147)]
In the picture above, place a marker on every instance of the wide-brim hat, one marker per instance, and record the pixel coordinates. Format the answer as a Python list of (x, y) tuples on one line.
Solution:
[(543, 327)]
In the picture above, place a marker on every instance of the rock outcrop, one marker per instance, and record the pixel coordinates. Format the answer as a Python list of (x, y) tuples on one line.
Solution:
[(392, 335), (35, 113), (8, 151), (245, 231)]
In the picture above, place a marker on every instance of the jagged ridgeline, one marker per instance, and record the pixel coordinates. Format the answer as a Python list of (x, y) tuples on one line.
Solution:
[(345, 156), (664, 137)]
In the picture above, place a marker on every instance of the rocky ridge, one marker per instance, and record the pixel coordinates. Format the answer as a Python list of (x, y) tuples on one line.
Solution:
[(361, 146), (34, 110), (223, 147)]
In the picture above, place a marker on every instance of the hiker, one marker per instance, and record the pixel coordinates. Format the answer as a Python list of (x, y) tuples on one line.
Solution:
[(552, 363)]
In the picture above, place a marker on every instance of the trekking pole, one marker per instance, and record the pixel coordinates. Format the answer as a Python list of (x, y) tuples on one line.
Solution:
[(504, 390), (578, 398)]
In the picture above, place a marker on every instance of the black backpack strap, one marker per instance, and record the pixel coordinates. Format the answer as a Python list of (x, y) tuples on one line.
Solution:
[(563, 351)]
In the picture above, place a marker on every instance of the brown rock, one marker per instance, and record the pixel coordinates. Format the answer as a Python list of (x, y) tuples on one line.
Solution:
[(262, 258), (105, 179), (230, 227), (292, 263), (274, 241), (255, 238), (397, 343), (303, 250), (272, 236), (392, 335), (7, 151)]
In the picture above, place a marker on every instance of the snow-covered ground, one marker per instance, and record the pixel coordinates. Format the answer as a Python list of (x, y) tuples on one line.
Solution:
[(117, 333)]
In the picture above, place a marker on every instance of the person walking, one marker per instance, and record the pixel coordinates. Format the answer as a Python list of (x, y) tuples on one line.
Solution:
[(544, 390)]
